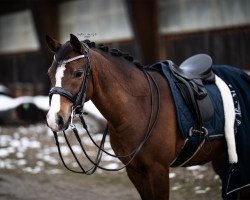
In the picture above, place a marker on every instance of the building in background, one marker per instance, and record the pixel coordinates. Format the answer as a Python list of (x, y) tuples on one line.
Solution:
[(150, 30)]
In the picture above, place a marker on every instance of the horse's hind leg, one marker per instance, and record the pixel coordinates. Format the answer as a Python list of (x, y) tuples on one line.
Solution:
[(218, 165), (244, 194), (152, 184)]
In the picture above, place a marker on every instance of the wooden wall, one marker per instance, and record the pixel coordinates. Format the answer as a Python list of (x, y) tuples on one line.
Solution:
[(24, 73), (226, 46)]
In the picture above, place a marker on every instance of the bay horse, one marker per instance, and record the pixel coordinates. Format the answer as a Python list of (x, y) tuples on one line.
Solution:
[(126, 97)]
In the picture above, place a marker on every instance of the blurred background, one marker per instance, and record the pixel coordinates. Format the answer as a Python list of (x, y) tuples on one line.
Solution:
[(150, 30)]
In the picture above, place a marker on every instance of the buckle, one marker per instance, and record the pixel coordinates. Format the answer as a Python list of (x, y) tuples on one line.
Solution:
[(195, 132), (72, 116)]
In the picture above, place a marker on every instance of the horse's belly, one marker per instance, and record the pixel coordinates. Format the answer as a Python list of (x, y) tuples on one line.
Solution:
[(209, 151)]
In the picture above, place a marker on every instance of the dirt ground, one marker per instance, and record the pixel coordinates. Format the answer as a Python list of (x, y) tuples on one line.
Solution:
[(24, 186), (16, 185), (30, 169)]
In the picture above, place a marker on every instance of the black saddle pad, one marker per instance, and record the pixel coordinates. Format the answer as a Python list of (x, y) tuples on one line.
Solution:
[(215, 125)]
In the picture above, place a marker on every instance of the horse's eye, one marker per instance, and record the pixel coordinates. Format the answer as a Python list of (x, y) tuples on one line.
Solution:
[(78, 74)]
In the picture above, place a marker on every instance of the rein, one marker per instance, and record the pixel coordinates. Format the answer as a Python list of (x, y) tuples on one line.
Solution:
[(78, 101)]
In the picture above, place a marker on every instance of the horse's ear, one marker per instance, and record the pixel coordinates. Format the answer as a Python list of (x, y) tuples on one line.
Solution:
[(52, 44), (76, 44)]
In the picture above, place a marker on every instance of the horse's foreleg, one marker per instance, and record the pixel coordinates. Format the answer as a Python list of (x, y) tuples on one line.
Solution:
[(218, 165), (152, 183)]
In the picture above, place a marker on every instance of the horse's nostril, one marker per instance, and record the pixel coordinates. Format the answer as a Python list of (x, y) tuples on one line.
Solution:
[(60, 121)]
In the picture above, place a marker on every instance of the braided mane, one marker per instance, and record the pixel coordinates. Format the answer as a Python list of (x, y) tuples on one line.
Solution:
[(114, 52)]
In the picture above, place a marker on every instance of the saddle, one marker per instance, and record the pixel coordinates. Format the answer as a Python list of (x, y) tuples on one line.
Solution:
[(190, 78)]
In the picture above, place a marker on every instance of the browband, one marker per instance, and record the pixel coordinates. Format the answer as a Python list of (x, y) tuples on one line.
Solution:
[(71, 59)]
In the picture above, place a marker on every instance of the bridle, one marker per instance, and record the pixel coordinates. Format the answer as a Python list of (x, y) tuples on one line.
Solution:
[(78, 101)]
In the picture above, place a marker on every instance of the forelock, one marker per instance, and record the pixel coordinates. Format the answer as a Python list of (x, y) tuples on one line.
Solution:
[(63, 53)]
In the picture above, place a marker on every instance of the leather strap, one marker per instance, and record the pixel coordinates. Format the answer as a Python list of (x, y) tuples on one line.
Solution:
[(63, 92)]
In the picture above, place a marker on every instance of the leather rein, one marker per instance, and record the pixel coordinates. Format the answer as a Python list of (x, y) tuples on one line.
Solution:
[(78, 101)]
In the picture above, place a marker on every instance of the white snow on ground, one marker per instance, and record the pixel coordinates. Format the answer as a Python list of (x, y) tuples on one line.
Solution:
[(32, 149), (8, 103), (41, 102)]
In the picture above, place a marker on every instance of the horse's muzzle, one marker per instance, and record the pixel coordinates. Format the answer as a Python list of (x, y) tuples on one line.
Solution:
[(57, 123)]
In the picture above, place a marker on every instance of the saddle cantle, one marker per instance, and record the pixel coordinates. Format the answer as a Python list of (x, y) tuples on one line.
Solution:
[(196, 67), (190, 78)]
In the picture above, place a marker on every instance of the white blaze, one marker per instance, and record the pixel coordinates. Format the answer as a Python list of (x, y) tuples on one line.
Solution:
[(55, 100)]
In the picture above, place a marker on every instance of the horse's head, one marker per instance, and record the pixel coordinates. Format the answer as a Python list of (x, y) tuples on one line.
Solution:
[(69, 78)]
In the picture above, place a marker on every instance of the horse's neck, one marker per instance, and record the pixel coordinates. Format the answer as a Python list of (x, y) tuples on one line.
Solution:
[(120, 90)]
